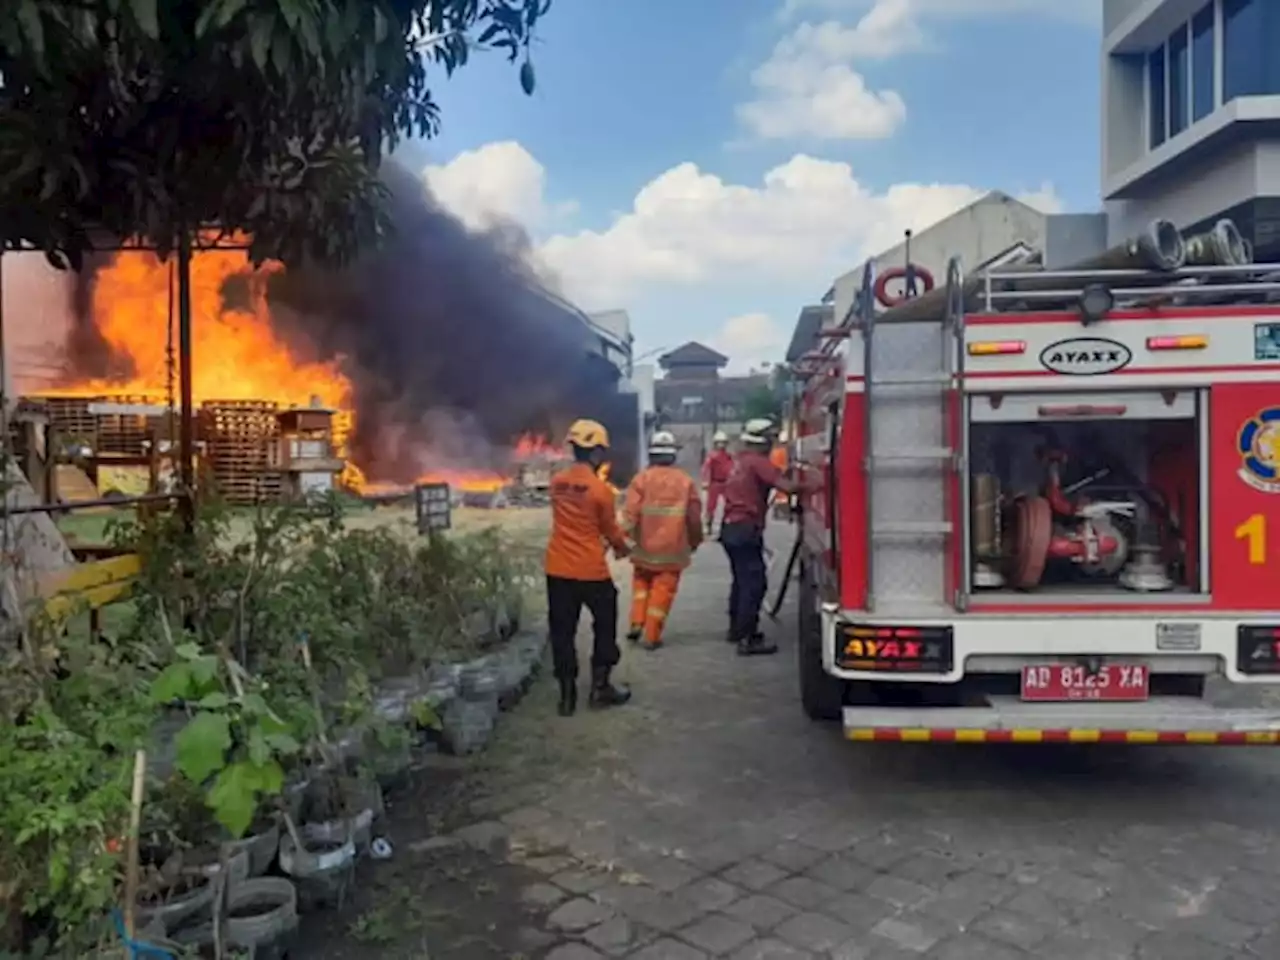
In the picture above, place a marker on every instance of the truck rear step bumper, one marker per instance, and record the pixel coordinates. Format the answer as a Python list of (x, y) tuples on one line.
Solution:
[(1160, 720)]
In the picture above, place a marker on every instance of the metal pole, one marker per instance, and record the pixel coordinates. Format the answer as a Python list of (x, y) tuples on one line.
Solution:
[(186, 425)]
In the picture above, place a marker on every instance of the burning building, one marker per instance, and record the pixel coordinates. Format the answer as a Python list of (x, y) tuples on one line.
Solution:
[(442, 356)]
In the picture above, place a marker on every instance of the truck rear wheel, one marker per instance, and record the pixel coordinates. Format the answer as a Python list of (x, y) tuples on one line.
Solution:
[(821, 694)]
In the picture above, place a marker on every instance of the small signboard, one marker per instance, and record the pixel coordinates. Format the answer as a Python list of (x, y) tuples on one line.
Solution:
[(1266, 341), (435, 507)]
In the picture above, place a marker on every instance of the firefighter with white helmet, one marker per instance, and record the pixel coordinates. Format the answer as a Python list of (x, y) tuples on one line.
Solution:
[(663, 518), (583, 522), (715, 474), (746, 504)]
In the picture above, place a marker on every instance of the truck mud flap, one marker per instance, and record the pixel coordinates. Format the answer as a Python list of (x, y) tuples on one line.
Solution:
[(1160, 720)]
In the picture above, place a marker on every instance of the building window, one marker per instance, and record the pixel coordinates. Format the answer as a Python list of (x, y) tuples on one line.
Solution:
[(1155, 97), (1202, 95), (1244, 48), (1179, 81)]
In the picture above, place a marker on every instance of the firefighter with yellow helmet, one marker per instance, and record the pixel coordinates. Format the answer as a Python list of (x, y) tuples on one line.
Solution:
[(583, 523)]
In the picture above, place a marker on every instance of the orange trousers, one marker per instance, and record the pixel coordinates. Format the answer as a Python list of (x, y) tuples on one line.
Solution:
[(652, 594)]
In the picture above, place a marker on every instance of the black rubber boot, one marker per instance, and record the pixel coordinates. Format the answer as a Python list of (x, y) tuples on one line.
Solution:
[(634, 634), (568, 698), (605, 694), (756, 646)]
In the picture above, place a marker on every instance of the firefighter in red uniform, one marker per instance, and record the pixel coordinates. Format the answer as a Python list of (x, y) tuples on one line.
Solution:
[(746, 504), (715, 474)]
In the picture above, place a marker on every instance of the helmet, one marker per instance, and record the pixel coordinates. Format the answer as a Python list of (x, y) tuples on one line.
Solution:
[(757, 430), (663, 442), (720, 437), (588, 434)]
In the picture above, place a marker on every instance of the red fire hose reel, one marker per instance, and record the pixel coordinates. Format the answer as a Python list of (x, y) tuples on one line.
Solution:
[(1036, 538)]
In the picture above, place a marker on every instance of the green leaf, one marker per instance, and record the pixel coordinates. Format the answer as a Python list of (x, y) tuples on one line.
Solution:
[(204, 671), (145, 14), (173, 683), (234, 795), (283, 743), (260, 28), (425, 715), (228, 12), (527, 79), (28, 15), (202, 746), (259, 749), (214, 701)]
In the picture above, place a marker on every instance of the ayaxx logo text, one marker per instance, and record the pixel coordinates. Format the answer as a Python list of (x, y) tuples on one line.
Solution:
[(1085, 356)]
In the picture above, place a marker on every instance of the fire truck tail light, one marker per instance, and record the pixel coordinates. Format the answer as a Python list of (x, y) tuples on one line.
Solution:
[(995, 348), (1177, 343)]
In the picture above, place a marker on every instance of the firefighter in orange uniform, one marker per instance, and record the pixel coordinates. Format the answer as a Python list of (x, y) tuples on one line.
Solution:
[(715, 474), (663, 518), (583, 521), (781, 499)]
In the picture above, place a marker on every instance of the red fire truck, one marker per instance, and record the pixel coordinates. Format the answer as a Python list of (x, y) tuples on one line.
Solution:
[(1049, 511)]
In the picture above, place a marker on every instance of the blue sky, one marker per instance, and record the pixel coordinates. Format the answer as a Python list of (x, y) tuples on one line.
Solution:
[(641, 165)]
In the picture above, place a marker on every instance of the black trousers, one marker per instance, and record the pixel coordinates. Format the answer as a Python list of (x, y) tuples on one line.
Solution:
[(565, 600), (744, 544)]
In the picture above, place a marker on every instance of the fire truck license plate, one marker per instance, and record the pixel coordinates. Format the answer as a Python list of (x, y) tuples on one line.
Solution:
[(1068, 681)]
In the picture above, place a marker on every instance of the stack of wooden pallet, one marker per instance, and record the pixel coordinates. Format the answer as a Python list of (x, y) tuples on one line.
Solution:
[(127, 433), (238, 435), (70, 418)]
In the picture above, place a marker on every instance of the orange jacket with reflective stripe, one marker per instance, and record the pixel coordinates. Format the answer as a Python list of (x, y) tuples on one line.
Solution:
[(778, 457), (663, 515), (584, 517)]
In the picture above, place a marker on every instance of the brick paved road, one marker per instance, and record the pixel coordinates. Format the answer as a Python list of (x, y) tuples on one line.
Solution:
[(711, 819)]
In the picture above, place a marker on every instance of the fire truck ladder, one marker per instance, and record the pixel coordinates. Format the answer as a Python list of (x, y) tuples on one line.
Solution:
[(913, 360)]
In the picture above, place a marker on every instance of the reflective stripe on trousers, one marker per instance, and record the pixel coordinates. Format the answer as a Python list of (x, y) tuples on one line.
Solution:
[(652, 594)]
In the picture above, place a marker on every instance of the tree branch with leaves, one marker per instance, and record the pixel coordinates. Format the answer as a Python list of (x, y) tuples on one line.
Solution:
[(124, 119)]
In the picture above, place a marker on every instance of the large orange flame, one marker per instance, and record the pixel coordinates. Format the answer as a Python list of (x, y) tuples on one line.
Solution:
[(236, 355), (236, 352)]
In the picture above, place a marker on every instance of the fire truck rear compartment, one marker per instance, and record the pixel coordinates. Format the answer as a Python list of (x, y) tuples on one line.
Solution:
[(1077, 498)]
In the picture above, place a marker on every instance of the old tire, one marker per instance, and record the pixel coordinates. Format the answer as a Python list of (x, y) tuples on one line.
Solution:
[(821, 694)]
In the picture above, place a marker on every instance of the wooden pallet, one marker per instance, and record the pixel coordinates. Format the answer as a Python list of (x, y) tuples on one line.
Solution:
[(70, 417), (126, 433)]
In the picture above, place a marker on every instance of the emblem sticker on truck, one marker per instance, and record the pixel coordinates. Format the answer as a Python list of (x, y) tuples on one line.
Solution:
[(1085, 357), (1258, 444)]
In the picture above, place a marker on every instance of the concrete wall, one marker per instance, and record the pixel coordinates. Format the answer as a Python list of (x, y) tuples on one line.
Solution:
[(977, 233), (1073, 237), (1209, 186), (1116, 12)]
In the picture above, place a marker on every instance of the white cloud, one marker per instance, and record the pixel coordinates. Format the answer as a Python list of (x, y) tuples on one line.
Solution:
[(751, 341), (1077, 11), (496, 183), (812, 85), (809, 88), (806, 221)]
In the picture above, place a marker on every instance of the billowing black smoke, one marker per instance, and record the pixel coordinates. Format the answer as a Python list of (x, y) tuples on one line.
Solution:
[(454, 345)]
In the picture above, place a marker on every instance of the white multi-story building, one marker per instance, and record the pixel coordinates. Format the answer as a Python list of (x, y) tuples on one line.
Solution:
[(1191, 116)]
